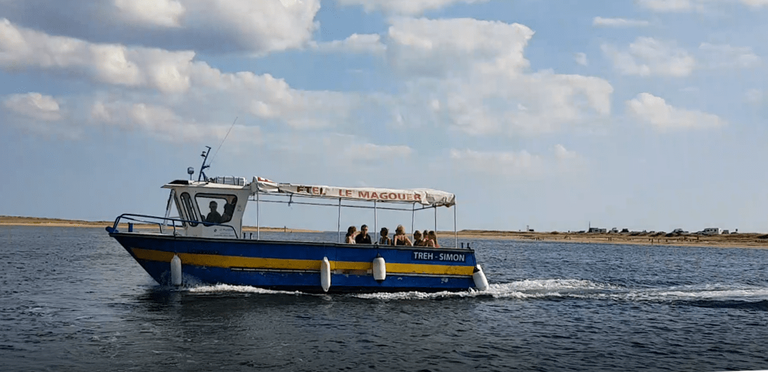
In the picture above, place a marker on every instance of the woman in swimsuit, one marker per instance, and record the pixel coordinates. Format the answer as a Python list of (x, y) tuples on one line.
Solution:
[(351, 232), (432, 240), (385, 240), (417, 240), (400, 238)]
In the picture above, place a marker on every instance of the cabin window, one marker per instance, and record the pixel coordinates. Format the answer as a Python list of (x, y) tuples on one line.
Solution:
[(216, 208), (189, 208)]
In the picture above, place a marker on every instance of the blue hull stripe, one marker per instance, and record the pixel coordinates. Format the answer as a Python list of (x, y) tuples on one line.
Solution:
[(308, 282), (295, 266)]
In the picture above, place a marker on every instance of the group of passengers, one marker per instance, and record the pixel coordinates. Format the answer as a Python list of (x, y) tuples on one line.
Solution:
[(215, 217), (427, 239)]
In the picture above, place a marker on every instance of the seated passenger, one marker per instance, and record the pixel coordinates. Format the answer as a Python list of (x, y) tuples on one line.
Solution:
[(351, 232), (384, 239), (400, 238), (363, 237), (432, 240), (229, 210), (213, 216), (417, 240)]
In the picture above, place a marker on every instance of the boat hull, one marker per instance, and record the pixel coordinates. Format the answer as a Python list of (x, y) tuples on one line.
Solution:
[(293, 266)]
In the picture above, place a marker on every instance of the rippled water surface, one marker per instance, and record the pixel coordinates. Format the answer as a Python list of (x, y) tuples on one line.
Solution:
[(73, 299)]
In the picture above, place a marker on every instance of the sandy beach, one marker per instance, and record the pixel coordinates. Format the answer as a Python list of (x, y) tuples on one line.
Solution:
[(745, 240), (741, 240)]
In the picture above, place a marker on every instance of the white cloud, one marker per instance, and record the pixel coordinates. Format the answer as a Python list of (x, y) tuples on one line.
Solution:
[(473, 76), (755, 3), (663, 117), (108, 63), (567, 161), (754, 96), (618, 22), (438, 46), (370, 151), (670, 5), (694, 5), (257, 26), (561, 153), (172, 72), (200, 98), (34, 105), (163, 13), (274, 101), (163, 123), (648, 56), (497, 163), (355, 43), (581, 58), (467, 75), (40, 115), (406, 7), (727, 56), (210, 26)]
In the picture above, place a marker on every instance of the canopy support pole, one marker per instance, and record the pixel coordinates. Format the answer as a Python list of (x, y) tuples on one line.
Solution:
[(435, 220), (168, 209), (258, 230), (413, 215), (455, 227), (338, 224), (375, 221)]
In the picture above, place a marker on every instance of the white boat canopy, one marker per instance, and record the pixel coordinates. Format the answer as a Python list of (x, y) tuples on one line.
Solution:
[(426, 197)]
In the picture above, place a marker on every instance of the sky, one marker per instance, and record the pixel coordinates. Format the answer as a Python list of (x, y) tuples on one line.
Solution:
[(541, 114)]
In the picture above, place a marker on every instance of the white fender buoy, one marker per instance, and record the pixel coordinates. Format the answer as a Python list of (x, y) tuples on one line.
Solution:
[(481, 283), (176, 270), (325, 274), (379, 269)]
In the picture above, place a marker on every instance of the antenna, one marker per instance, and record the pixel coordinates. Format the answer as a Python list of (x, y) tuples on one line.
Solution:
[(222, 141), (202, 167)]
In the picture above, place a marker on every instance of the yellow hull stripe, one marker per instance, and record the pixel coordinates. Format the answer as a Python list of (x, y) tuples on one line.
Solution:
[(290, 264)]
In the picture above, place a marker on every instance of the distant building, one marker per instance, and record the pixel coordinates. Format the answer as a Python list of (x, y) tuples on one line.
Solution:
[(597, 230), (712, 231)]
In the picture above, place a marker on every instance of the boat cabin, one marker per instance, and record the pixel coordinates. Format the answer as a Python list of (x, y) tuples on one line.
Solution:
[(210, 209)]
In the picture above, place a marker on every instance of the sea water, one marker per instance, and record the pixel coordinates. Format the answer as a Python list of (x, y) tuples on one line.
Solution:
[(73, 299)]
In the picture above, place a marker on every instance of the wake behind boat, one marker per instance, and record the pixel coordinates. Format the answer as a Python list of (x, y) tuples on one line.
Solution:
[(211, 247)]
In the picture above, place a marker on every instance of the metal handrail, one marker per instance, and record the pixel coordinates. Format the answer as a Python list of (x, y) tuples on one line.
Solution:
[(163, 220)]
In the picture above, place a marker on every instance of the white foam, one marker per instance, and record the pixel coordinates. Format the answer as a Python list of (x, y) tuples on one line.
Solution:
[(700, 292), (538, 289), (226, 288), (416, 295), (520, 289), (558, 284)]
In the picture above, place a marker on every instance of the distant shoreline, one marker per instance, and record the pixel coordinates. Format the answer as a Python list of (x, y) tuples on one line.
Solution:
[(58, 222), (746, 240)]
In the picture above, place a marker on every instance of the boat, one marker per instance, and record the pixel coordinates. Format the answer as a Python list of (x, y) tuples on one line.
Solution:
[(205, 244)]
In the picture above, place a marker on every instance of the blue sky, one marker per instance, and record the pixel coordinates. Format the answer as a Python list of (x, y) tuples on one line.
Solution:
[(643, 114)]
